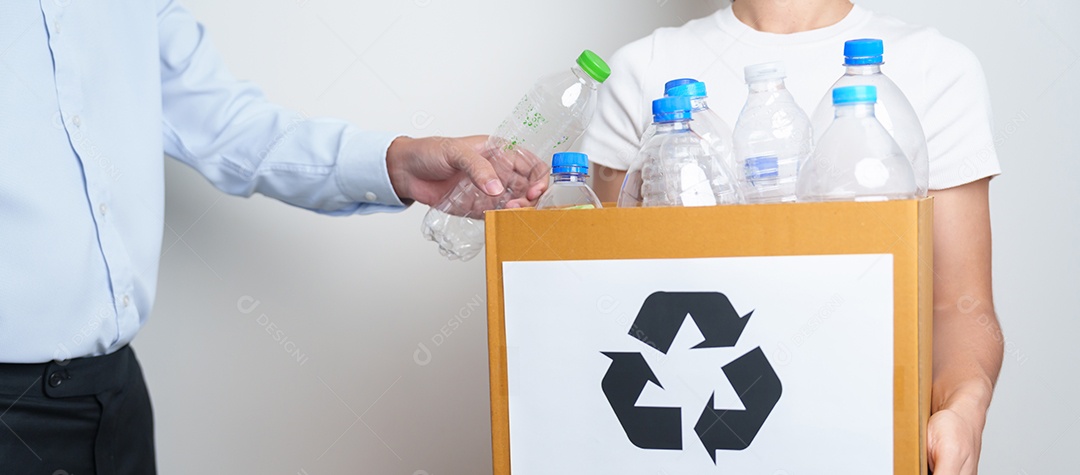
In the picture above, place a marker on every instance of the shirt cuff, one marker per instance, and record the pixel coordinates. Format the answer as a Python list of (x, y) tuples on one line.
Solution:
[(361, 172)]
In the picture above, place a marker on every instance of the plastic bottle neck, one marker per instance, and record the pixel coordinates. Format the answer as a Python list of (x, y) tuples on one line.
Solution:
[(767, 85), (859, 109), (585, 77), (672, 127), (569, 177), (862, 69), (699, 104)]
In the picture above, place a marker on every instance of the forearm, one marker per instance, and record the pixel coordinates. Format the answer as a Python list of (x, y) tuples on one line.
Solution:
[(607, 182), (968, 351)]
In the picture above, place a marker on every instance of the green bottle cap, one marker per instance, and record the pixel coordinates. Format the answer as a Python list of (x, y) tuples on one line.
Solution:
[(594, 65)]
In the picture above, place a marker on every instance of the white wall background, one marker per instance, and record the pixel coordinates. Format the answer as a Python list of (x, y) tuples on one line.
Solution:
[(356, 296)]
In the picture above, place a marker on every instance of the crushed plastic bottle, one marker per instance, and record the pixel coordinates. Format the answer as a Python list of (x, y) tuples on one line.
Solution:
[(547, 120)]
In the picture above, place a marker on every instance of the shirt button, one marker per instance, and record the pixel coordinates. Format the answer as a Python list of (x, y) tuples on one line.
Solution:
[(126, 301), (56, 28), (102, 208), (77, 121), (370, 196)]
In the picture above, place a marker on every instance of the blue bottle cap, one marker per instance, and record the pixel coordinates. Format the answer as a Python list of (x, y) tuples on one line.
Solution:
[(570, 162), (692, 90), (863, 51), (676, 83), (671, 109), (854, 95)]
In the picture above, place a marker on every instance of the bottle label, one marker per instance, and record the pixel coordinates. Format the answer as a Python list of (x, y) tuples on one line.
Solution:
[(762, 170)]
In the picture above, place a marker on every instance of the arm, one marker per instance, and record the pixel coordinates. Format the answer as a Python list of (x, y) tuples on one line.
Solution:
[(606, 182), (968, 343), (228, 131)]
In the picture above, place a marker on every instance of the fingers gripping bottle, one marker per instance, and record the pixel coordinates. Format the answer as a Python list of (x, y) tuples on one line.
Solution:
[(863, 59), (857, 159), (548, 119), (772, 137), (568, 189), (677, 167), (706, 122)]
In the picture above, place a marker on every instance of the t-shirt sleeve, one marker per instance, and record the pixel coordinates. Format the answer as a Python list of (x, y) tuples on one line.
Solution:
[(957, 121), (613, 135)]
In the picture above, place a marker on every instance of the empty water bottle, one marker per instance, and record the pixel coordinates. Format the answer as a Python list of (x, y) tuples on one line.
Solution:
[(668, 86), (772, 137), (857, 159), (706, 122), (548, 119), (863, 59), (677, 167), (568, 189)]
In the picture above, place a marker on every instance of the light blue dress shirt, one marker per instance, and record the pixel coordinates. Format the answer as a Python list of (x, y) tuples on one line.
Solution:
[(91, 94)]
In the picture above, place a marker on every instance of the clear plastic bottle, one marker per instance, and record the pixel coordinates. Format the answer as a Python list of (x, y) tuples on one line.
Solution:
[(706, 122), (548, 119), (677, 167), (863, 60), (668, 86), (569, 190), (857, 159), (772, 137)]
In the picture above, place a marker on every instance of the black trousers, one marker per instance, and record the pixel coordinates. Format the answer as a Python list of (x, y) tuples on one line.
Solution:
[(80, 417)]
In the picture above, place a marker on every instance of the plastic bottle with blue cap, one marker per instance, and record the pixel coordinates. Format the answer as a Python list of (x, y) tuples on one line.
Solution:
[(706, 122), (547, 119), (569, 187), (677, 167), (668, 87), (863, 59), (856, 159), (772, 137)]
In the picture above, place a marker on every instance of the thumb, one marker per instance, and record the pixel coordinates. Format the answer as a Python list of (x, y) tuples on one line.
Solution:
[(479, 169)]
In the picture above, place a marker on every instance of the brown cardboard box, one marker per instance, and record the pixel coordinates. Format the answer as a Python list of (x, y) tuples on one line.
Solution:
[(900, 228)]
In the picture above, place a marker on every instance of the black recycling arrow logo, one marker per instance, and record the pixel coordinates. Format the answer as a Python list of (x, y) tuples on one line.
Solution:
[(662, 315), (751, 375), (647, 427), (759, 390)]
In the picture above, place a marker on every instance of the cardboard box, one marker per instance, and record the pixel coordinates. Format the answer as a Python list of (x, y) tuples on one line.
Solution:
[(745, 339)]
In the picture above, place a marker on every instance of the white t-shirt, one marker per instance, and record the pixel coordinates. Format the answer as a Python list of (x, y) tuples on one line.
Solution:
[(940, 77)]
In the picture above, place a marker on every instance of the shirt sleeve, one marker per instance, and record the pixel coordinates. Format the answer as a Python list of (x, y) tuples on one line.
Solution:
[(612, 138), (228, 131), (957, 120)]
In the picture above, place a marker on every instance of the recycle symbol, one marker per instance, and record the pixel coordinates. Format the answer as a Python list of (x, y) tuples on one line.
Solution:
[(751, 375)]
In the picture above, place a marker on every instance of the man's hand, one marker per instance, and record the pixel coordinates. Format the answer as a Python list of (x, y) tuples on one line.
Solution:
[(426, 169)]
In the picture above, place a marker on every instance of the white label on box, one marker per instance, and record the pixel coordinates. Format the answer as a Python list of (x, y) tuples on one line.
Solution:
[(612, 365)]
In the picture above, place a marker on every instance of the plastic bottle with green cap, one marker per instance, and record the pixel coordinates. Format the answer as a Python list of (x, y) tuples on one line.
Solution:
[(856, 159), (546, 120)]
